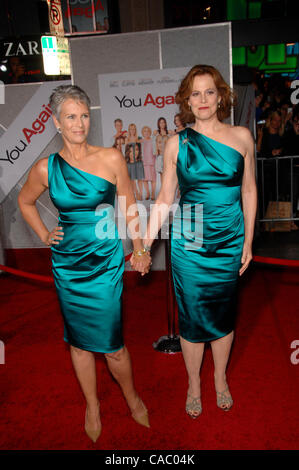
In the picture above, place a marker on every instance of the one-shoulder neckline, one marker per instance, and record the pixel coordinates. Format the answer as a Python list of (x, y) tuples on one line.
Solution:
[(217, 141), (83, 171)]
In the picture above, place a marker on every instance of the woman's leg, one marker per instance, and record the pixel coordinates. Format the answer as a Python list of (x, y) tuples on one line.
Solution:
[(134, 187), (221, 350), (153, 183), (84, 365), (193, 354), (140, 188), (145, 182), (120, 366), (136, 190)]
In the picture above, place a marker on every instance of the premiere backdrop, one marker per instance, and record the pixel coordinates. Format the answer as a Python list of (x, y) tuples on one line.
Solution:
[(129, 53), (141, 103)]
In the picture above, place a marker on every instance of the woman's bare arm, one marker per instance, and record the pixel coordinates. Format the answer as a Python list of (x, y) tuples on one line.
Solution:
[(166, 195), (34, 187), (128, 206), (249, 199), (249, 190)]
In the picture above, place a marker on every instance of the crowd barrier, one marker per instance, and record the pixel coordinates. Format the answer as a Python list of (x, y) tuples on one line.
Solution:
[(278, 188), (49, 279)]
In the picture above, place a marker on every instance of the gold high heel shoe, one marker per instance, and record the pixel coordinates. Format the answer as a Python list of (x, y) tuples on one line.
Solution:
[(141, 419), (93, 434)]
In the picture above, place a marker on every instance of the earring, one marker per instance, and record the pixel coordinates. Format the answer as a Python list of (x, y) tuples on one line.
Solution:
[(219, 104), (58, 130)]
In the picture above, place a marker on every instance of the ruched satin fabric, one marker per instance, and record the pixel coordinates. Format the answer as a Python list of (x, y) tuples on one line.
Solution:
[(88, 263), (207, 236)]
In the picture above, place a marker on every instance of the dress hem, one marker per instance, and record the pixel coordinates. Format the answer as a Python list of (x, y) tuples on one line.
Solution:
[(88, 348), (206, 340)]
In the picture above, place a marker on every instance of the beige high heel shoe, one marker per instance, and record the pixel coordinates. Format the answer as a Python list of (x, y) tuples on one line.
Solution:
[(193, 406), (93, 434), (223, 399), (141, 419)]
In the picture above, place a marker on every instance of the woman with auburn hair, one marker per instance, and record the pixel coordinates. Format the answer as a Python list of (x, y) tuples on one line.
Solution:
[(213, 163)]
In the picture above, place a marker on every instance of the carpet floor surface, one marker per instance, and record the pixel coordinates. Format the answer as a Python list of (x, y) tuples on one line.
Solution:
[(42, 407)]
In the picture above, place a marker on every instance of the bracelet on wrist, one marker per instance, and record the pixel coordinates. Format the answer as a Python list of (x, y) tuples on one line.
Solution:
[(141, 252)]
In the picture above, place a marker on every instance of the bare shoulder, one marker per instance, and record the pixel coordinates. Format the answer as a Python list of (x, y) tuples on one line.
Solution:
[(40, 168), (242, 132), (112, 162), (41, 164), (98, 154), (241, 139), (38, 174), (112, 155), (173, 142)]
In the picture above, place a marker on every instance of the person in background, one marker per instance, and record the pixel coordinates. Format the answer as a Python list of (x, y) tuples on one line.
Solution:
[(179, 123), (261, 106), (133, 156), (118, 124), (135, 159), (16, 70), (119, 144), (286, 115), (162, 135), (291, 137), (148, 162), (291, 148), (269, 142)]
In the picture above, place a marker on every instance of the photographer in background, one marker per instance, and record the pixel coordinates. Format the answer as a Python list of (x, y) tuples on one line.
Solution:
[(16, 70)]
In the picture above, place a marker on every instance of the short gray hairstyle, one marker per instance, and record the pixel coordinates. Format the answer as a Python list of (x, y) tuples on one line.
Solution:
[(64, 92)]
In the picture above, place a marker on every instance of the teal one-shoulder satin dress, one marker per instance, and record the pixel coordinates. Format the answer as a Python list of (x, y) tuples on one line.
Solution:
[(207, 236), (88, 263)]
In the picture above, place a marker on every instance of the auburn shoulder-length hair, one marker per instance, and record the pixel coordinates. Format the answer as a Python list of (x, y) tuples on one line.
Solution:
[(228, 97)]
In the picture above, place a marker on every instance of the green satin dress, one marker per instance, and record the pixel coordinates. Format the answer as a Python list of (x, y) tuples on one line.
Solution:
[(88, 263), (207, 236)]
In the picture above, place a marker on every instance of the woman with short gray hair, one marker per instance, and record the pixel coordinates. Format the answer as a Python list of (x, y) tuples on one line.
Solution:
[(87, 260), (63, 92)]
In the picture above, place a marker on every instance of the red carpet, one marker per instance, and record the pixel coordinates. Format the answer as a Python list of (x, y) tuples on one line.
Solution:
[(43, 408)]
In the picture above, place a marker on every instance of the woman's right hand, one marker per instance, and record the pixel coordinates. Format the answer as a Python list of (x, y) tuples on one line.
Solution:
[(53, 236), (142, 263)]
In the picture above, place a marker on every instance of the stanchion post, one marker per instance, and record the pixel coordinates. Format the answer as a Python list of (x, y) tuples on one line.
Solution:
[(169, 343), (2, 260)]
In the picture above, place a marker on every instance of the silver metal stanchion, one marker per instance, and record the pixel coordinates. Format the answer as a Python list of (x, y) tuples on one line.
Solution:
[(170, 343)]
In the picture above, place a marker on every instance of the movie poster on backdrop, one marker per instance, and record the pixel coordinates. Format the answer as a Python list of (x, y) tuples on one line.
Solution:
[(139, 114)]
